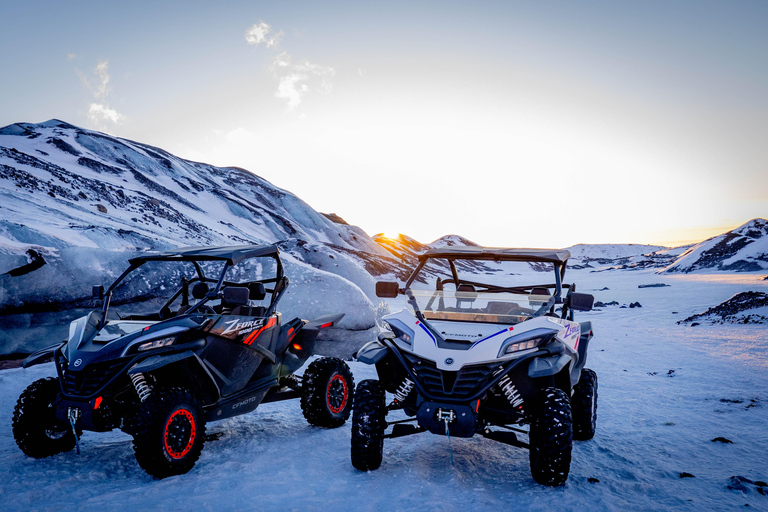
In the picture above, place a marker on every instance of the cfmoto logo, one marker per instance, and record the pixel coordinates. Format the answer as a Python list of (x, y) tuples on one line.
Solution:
[(449, 361), (78, 362)]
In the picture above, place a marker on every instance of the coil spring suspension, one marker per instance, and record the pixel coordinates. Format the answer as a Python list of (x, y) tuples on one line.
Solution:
[(404, 390), (511, 392), (140, 384)]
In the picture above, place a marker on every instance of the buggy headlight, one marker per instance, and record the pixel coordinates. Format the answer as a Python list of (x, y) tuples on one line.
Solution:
[(402, 332), (161, 342), (526, 341), (522, 345)]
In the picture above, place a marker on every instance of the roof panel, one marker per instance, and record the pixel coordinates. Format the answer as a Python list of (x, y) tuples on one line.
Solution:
[(558, 256), (233, 254)]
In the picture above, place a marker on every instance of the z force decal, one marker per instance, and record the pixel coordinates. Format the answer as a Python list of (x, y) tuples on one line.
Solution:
[(571, 329), (237, 327), (241, 327)]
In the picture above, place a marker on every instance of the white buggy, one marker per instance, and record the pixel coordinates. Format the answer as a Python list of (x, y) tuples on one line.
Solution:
[(482, 355)]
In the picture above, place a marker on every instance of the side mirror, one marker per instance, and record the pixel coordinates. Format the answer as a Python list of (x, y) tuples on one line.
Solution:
[(581, 301), (387, 290), (98, 292)]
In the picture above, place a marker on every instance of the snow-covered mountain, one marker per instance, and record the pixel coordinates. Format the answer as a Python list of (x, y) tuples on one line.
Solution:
[(744, 249), (75, 204), (406, 250), (451, 241), (612, 252)]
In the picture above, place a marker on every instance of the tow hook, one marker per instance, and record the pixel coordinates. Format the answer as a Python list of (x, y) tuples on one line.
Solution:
[(448, 416), (73, 413)]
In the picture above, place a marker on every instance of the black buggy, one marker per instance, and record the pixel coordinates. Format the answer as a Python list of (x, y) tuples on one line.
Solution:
[(205, 349)]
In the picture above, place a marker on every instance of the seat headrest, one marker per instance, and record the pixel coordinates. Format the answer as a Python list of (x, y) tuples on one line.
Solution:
[(257, 291), (235, 296), (466, 291), (199, 290)]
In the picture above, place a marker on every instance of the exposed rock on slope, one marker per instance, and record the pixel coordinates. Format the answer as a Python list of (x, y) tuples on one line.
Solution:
[(744, 249), (742, 308)]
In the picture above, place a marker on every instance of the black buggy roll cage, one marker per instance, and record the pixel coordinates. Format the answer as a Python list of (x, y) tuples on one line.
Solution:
[(230, 255)]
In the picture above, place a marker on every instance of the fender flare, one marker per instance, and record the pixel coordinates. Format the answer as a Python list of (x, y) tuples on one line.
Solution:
[(41, 355), (372, 352), (547, 366), (153, 363)]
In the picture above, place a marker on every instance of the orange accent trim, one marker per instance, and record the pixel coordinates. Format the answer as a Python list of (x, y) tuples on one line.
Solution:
[(97, 402), (326, 325), (255, 334), (337, 410)]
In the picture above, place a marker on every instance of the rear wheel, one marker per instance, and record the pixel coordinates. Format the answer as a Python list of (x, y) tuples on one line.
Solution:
[(584, 405), (168, 432), (36, 429), (551, 437), (327, 390), (368, 425)]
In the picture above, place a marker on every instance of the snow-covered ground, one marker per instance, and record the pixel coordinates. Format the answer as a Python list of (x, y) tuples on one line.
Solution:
[(666, 391)]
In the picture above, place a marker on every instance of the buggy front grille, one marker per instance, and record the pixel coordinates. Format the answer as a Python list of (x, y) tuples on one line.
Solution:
[(89, 380), (448, 384)]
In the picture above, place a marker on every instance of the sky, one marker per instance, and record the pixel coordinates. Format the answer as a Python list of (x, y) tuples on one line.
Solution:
[(529, 124)]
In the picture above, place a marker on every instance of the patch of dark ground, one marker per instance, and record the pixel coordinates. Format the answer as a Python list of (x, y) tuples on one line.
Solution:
[(745, 485), (15, 360), (726, 312)]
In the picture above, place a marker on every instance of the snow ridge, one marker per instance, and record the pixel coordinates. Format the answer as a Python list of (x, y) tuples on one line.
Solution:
[(744, 249), (75, 204)]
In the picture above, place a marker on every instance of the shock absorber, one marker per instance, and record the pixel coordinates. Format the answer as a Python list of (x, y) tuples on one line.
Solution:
[(404, 390), (140, 384), (511, 392)]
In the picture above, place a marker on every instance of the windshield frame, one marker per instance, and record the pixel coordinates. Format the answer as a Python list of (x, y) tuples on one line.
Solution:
[(556, 297), (280, 280)]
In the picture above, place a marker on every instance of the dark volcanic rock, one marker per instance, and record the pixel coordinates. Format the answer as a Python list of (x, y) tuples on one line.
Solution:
[(654, 285), (733, 310), (745, 485)]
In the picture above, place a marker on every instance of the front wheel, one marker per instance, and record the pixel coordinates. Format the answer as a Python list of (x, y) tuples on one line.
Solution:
[(368, 425), (584, 404), (36, 429), (168, 432), (326, 392), (551, 437)]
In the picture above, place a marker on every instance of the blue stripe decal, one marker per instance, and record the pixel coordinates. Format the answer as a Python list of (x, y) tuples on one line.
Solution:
[(427, 331), (488, 337)]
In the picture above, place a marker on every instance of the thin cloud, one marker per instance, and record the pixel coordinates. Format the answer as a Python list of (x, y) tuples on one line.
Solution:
[(295, 80), (99, 112), (260, 33)]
